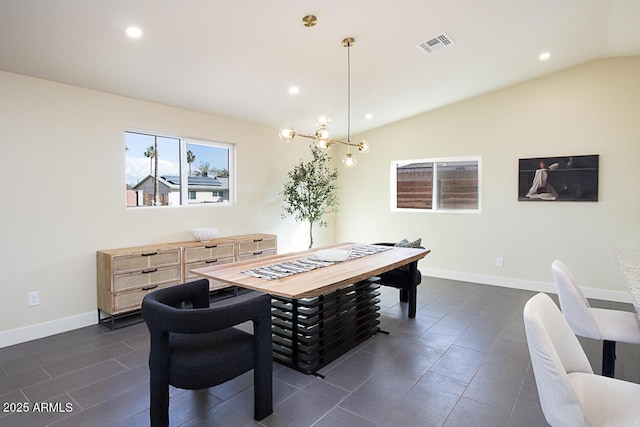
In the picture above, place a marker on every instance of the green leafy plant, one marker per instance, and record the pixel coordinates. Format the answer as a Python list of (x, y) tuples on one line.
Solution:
[(310, 192)]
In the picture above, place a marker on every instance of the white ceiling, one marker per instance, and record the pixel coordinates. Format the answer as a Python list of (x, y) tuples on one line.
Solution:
[(237, 59)]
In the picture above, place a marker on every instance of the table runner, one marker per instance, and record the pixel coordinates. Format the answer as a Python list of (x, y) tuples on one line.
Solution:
[(288, 268)]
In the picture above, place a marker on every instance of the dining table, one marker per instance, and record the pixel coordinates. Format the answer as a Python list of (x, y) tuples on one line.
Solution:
[(321, 307)]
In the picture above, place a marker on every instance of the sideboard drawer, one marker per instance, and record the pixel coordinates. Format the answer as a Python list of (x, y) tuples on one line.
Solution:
[(208, 252), (256, 245), (146, 278), (125, 301), (255, 255), (189, 276), (146, 260)]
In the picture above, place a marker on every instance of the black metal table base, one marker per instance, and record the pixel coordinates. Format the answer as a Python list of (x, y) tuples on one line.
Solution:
[(309, 333)]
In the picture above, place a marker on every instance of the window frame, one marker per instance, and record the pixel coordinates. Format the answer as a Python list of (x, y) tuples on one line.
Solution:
[(435, 194), (183, 168)]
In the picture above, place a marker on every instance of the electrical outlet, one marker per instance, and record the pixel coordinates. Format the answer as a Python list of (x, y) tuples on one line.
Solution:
[(34, 298), (500, 262)]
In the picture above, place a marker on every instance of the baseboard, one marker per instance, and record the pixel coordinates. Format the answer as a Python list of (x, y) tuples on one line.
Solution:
[(45, 329), (529, 285)]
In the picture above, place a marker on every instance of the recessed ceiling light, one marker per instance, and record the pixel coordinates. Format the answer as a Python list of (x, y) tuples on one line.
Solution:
[(134, 32), (293, 90), (544, 56), (368, 116)]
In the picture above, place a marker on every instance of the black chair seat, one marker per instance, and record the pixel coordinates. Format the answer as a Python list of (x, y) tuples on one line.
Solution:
[(196, 359)]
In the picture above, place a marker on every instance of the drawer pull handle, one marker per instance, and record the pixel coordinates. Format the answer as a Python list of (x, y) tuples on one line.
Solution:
[(209, 261), (148, 288), (211, 246), (151, 270), (150, 254), (258, 253), (257, 240)]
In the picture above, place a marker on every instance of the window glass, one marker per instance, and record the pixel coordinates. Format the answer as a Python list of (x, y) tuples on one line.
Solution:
[(172, 171), (457, 184), (150, 159), (436, 184), (208, 172), (414, 184)]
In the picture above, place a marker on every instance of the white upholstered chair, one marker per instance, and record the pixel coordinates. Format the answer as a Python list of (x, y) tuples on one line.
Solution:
[(602, 324), (570, 393)]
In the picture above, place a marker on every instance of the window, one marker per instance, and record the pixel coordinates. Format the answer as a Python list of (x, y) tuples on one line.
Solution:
[(173, 171), (451, 184)]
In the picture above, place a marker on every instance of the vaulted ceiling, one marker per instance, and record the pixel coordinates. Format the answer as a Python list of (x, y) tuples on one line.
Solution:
[(238, 59)]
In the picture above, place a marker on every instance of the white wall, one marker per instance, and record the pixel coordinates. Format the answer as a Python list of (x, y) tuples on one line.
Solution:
[(590, 109), (62, 165)]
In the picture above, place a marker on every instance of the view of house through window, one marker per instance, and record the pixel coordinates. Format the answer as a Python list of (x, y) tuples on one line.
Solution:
[(436, 184), (172, 171)]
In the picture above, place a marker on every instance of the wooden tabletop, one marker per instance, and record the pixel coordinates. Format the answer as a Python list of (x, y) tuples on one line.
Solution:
[(315, 282)]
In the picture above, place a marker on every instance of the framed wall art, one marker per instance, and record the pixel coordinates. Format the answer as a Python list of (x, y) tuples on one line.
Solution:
[(570, 178)]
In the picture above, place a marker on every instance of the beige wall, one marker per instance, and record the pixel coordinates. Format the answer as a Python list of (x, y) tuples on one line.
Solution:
[(590, 109), (62, 167)]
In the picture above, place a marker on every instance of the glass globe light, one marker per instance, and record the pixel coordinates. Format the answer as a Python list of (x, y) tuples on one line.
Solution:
[(287, 133), (323, 134), (322, 121), (363, 146), (323, 144), (349, 160)]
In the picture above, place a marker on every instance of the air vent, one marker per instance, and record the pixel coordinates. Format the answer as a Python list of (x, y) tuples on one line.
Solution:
[(435, 44)]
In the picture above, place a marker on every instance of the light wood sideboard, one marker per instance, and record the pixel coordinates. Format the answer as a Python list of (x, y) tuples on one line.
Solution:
[(126, 275)]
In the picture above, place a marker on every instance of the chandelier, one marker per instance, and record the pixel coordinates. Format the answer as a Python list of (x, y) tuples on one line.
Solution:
[(322, 135)]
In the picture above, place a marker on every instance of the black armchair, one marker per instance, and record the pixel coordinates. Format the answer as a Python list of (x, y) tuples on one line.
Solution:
[(194, 345), (406, 278)]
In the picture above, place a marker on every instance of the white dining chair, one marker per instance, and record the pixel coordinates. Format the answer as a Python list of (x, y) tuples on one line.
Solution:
[(570, 393), (602, 324)]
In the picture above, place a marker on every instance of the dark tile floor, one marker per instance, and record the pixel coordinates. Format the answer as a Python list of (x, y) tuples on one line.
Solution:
[(462, 361)]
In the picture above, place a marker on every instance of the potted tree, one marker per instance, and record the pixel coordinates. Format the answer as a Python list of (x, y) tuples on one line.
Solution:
[(310, 192)]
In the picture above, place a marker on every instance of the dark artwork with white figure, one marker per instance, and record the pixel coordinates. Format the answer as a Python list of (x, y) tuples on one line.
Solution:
[(570, 178)]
